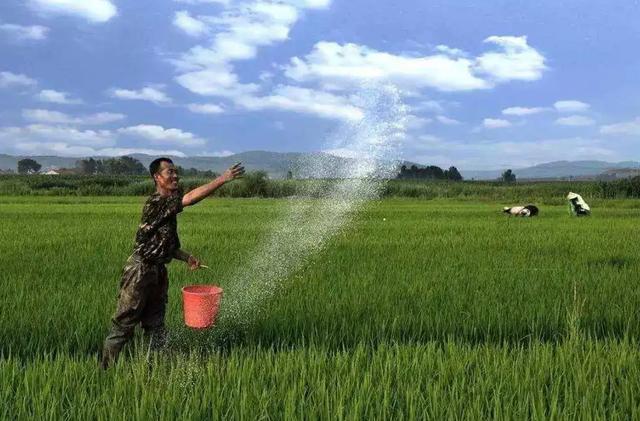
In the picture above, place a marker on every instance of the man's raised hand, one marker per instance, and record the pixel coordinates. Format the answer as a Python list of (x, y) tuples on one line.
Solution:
[(236, 171), (205, 190)]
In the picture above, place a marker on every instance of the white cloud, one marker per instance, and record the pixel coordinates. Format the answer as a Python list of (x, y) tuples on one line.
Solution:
[(348, 66), (54, 148), (413, 122), (517, 61), (345, 66), (56, 117), (95, 11), (38, 133), (571, 106), (150, 93), (223, 2), (46, 116), (283, 98), (575, 120), (160, 134), (454, 52), (429, 139), (101, 118), (310, 4), (447, 121), (244, 27), (495, 123), (266, 76), (240, 31), (25, 33), (628, 128), (57, 97), (216, 82), (307, 101), (189, 25), (221, 153), (429, 106), (130, 151), (199, 58), (8, 79), (37, 139), (205, 108), (522, 111), (66, 149)]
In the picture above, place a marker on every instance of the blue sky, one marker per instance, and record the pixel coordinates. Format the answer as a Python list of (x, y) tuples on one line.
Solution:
[(486, 84)]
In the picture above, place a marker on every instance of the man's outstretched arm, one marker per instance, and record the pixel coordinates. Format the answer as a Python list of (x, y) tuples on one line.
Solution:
[(199, 193), (191, 261), (181, 255)]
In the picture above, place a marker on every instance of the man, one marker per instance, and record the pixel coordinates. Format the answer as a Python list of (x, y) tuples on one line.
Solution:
[(144, 283)]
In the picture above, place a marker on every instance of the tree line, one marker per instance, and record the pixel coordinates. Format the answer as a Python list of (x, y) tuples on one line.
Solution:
[(124, 165), (433, 172), (430, 172)]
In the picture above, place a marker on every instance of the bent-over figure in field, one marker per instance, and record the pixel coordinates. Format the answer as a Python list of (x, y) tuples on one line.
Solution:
[(144, 283), (577, 205), (525, 211)]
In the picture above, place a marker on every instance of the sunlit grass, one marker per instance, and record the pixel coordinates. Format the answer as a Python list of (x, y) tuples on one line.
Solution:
[(418, 309)]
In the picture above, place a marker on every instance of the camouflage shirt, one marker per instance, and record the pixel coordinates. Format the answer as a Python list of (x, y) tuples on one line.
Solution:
[(157, 236)]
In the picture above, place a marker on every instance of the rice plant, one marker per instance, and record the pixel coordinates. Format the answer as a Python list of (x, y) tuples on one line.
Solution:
[(416, 310)]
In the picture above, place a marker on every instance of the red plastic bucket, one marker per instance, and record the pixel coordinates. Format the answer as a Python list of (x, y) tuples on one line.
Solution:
[(201, 304)]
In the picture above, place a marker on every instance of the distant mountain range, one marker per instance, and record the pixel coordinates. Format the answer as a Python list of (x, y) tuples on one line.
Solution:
[(277, 164), (274, 163), (562, 170)]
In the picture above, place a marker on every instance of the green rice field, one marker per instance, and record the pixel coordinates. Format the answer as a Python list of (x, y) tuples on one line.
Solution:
[(418, 309)]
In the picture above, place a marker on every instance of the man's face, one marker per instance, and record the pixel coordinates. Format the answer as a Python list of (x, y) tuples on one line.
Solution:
[(167, 177)]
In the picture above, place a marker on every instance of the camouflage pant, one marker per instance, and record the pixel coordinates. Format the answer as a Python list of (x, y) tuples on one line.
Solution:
[(142, 299)]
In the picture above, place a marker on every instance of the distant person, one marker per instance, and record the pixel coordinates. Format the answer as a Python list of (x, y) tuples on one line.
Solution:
[(524, 211), (577, 205), (144, 282)]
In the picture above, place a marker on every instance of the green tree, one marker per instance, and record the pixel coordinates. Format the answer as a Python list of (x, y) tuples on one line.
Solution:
[(133, 166), (508, 176), (87, 166), (453, 174), (28, 166), (431, 172), (194, 172), (257, 183), (191, 171), (124, 165)]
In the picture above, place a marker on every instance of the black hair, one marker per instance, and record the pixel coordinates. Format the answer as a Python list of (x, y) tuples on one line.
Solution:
[(154, 167)]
